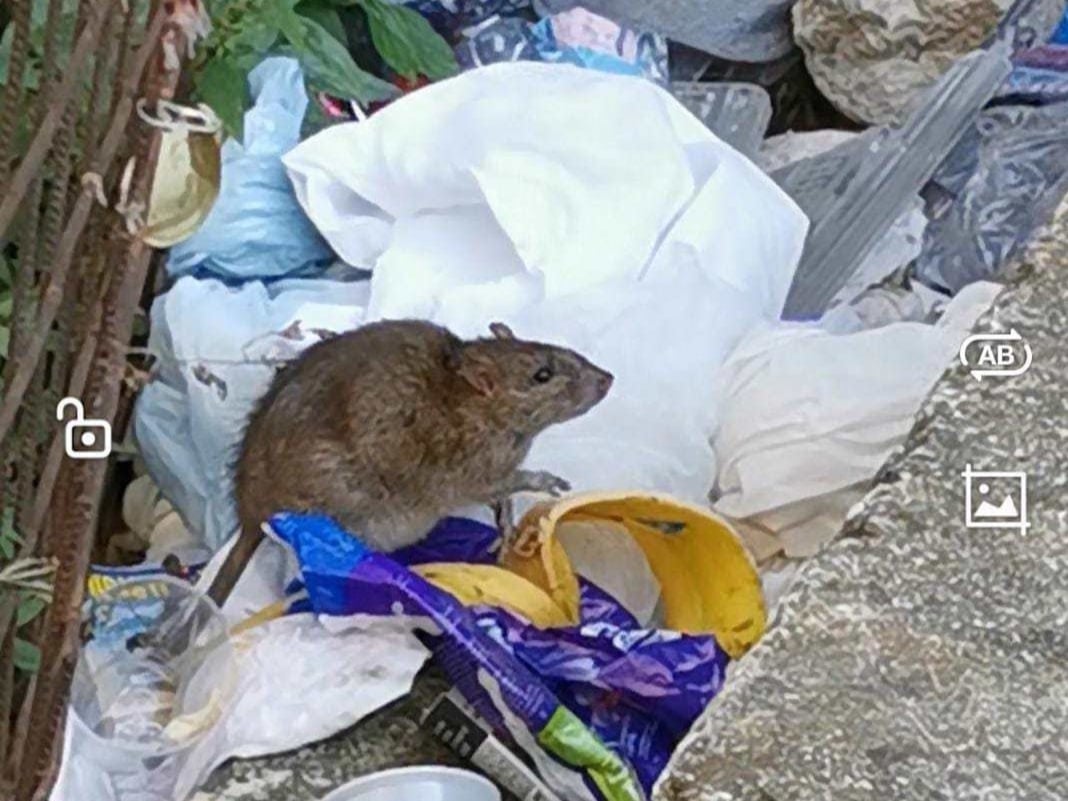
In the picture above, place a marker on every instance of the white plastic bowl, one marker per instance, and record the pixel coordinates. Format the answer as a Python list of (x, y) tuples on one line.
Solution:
[(418, 784)]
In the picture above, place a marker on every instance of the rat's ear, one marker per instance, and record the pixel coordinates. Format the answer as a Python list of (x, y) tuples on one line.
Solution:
[(481, 375), (501, 331)]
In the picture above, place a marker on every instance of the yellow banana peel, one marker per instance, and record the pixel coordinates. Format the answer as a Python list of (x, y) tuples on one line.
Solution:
[(537, 556), (489, 585), (709, 583)]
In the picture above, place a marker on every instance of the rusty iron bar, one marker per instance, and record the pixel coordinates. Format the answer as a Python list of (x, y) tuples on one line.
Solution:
[(22, 318), (47, 481), (73, 524), (53, 293), (42, 217), (31, 163), (18, 735), (11, 101), (99, 110), (8, 610), (10, 106), (73, 517)]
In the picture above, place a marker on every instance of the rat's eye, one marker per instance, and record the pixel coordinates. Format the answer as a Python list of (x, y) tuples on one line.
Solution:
[(544, 375)]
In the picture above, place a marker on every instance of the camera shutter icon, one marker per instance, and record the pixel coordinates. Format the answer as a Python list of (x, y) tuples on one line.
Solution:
[(84, 439)]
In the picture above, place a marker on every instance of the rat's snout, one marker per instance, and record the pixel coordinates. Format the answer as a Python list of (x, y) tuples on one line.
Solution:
[(604, 382), (596, 385)]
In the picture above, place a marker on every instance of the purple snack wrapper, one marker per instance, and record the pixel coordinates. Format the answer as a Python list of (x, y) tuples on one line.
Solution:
[(604, 699)]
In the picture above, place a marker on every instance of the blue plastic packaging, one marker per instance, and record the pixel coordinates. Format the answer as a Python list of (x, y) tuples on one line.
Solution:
[(256, 228)]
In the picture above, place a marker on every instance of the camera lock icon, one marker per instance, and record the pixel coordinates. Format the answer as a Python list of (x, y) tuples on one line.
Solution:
[(84, 439)]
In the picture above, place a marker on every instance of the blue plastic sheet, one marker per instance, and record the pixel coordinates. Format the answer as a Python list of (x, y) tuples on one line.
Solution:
[(1006, 175), (1039, 77), (256, 228), (490, 31), (1060, 36), (1040, 72), (604, 699)]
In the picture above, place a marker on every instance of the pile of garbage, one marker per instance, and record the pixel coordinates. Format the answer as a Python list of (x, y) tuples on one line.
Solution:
[(774, 310)]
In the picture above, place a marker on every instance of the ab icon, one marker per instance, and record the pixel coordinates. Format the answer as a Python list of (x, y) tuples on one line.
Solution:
[(995, 355), (84, 439)]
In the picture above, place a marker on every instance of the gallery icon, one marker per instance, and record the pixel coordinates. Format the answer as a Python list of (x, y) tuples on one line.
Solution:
[(995, 499), (1000, 355), (84, 439)]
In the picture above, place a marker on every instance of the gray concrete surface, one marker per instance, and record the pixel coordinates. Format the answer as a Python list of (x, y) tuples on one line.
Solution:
[(917, 659)]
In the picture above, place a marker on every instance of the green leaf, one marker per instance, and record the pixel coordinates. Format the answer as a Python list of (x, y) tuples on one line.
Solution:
[(325, 13), (281, 15), (27, 656), (407, 42), (6, 39), (9, 538), (328, 65), (221, 84), (7, 272), (29, 608), (247, 45)]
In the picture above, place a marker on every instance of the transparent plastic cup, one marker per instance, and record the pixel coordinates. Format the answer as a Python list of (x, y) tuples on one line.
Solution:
[(152, 682)]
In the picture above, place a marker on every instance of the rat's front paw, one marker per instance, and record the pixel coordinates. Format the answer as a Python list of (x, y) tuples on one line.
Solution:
[(544, 481)]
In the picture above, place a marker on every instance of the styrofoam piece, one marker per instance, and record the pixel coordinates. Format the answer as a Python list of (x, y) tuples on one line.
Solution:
[(738, 113), (431, 783), (855, 192)]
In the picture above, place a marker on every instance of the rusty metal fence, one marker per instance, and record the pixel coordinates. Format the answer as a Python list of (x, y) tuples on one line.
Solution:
[(76, 166)]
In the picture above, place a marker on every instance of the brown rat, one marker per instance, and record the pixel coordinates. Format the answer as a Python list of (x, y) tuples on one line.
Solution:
[(392, 426)]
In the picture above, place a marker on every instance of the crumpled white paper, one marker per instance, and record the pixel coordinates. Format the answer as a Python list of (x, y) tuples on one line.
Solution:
[(807, 414)]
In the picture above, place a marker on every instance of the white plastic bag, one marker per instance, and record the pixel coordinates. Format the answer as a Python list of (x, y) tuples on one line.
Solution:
[(298, 682), (256, 229), (584, 209), (217, 348)]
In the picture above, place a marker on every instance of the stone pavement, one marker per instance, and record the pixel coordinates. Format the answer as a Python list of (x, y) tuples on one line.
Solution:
[(916, 659)]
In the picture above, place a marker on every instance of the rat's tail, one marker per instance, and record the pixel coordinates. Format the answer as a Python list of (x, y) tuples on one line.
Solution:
[(235, 563)]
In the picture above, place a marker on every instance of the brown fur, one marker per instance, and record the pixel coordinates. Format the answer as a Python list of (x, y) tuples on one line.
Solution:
[(392, 426)]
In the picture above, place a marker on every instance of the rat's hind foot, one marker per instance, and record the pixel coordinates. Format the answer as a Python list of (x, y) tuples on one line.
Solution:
[(504, 515)]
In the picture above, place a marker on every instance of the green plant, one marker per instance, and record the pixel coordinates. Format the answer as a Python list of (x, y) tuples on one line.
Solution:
[(29, 580), (35, 67), (244, 31)]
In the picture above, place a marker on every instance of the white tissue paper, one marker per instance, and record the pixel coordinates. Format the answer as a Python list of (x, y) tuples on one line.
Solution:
[(585, 209), (807, 414)]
